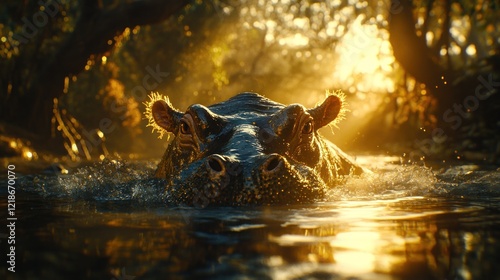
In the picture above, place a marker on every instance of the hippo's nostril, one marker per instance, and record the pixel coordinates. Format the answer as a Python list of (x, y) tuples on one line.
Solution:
[(273, 163), (215, 163)]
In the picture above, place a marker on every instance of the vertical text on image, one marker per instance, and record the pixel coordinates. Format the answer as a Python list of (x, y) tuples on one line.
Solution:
[(11, 217)]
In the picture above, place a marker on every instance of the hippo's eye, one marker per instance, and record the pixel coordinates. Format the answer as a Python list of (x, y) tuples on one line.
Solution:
[(184, 128), (307, 128)]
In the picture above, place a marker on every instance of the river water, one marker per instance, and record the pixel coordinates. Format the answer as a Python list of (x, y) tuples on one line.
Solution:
[(107, 221)]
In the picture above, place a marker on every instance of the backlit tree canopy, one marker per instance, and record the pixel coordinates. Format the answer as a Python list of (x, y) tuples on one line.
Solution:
[(402, 64)]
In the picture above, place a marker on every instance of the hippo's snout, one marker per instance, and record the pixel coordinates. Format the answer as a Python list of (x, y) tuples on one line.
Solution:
[(219, 166)]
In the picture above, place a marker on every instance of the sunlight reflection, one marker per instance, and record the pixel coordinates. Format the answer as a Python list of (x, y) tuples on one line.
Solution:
[(360, 240), (28, 155), (360, 262), (368, 251), (20, 147), (365, 246)]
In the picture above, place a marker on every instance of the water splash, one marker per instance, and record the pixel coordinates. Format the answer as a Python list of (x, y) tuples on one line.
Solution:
[(399, 181), (391, 181), (109, 180), (119, 180), (470, 181)]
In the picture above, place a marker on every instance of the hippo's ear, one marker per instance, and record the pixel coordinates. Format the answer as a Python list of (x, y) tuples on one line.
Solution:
[(165, 115), (326, 112)]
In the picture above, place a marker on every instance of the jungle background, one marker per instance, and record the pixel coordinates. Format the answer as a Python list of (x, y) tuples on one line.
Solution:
[(421, 77)]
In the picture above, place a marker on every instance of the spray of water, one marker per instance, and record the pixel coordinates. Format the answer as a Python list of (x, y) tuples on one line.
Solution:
[(119, 180), (400, 181), (116, 180)]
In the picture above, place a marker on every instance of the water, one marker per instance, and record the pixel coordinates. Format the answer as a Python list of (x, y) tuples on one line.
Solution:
[(107, 221)]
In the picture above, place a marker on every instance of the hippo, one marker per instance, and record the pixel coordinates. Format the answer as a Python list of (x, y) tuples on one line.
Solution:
[(249, 150)]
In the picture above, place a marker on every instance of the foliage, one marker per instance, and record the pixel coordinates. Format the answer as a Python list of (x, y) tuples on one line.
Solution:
[(290, 51)]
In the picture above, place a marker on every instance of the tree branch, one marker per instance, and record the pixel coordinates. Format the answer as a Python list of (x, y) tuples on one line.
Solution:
[(96, 27)]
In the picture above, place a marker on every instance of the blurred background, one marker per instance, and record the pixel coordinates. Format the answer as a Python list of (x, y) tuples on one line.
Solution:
[(421, 78)]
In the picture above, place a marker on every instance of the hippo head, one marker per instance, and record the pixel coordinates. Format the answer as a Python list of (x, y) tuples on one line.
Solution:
[(248, 150)]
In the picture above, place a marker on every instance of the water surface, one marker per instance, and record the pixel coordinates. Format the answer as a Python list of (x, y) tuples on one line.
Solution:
[(107, 221)]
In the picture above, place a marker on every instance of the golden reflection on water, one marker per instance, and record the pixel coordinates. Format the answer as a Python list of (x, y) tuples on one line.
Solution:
[(363, 252), (356, 242), (377, 239)]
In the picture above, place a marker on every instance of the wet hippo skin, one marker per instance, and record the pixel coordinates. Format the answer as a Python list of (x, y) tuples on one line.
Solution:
[(249, 150)]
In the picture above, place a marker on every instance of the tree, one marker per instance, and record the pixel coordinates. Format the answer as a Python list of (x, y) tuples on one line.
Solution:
[(43, 51), (449, 53), (403, 64)]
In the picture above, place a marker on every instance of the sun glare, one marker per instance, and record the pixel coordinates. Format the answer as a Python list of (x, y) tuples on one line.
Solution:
[(365, 69), (365, 59), (296, 40)]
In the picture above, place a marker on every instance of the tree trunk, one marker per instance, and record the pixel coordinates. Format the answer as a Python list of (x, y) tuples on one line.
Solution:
[(32, 109), (419, 60), (464, 106), (412, 53)]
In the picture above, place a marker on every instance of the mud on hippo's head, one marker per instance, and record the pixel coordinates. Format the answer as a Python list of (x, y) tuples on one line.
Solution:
[(249, 150)]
